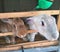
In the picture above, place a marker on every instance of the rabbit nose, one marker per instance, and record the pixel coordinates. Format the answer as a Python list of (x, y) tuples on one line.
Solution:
[(55, 35), (21, 36)]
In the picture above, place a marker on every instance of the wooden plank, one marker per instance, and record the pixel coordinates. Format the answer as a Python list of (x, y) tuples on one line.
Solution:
[(11, 33), (6, 34), (30, 45), (58, 22), (27, 14)]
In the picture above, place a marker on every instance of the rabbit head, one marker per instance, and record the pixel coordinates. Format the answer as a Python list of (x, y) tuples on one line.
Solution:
[(45, 25), (20, 28)]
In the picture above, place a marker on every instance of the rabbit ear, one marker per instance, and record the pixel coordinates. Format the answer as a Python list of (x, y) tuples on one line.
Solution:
[(7, 21)]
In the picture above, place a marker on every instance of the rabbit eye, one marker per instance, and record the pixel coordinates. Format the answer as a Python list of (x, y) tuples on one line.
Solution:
[(14, 26), (42, 23)]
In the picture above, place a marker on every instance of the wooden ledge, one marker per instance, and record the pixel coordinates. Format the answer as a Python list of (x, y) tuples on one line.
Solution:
[(44, 43), (27, 14), (11, 33)]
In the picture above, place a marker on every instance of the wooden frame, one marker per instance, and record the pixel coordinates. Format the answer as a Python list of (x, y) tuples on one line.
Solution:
[(27, 14)]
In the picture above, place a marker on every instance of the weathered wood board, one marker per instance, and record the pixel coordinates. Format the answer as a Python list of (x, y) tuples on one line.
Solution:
[(44, 43)]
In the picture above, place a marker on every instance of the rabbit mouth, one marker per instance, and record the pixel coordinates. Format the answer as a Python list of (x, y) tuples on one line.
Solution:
[(21, 36)]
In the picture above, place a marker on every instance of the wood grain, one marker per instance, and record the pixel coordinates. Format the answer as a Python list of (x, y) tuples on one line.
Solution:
[(44, 43), (11, 33), (27, 14), (58, 22)]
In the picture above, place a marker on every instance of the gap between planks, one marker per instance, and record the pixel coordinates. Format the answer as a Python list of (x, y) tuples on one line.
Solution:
[(26, 14), (44, 43)]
